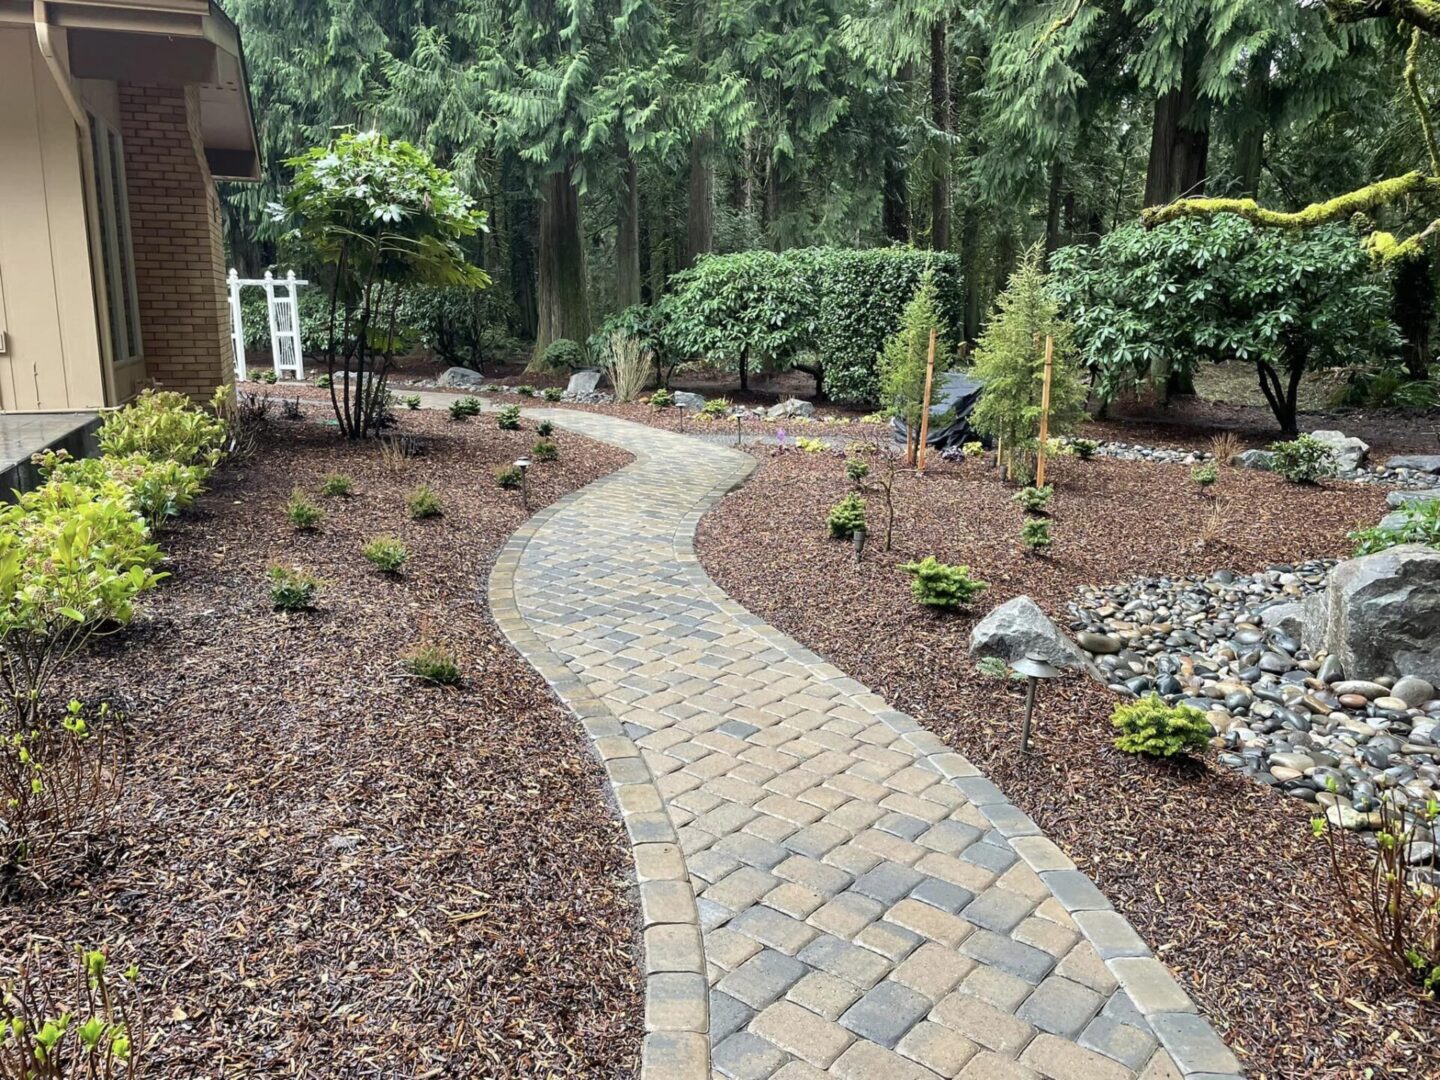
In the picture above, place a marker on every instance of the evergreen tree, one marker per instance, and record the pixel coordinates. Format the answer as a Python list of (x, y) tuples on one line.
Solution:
[(905, 360)]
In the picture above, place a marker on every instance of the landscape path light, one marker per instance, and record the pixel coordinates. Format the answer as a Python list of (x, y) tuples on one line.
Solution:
[(523, 464), (859, 537), (1034, 667)]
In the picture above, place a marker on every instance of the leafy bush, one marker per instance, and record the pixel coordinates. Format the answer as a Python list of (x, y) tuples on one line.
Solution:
[(1034, 500), (433, 664), (544, 450), (267, 376), (323, 381), (1149, 726), (165, 425), (85, 1023), (386, 553), (545, 429), (523, 390), (1305, 460), (301, 512), (992, 667), (154, 489), (1152, 302), (973, 449), (810, 446), (411, 401), (552, 393), (847, 517), (1085, 449), (562, 354), (337, 484), (1205, 475), (292, 590), (856, 471), (423, 503), (464, 408), (1419, 524), (716, 408), (509, 477), (1035, 535), (1388, 387), (508, 418), (941, 585), (662, 399)]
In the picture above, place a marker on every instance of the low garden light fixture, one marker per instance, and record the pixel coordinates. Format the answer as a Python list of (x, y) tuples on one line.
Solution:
[(523, 464), (739, 430), (859, 537), (1034, 667)]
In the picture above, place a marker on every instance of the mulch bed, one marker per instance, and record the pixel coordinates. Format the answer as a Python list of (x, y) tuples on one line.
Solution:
[(1221, 876), (330, 869)]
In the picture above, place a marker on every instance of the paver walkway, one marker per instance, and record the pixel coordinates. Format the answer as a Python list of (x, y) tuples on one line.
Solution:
[(826, 889)]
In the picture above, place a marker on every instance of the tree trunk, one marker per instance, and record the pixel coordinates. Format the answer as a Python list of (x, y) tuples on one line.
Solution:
[(1283, 397), (655, 205), (940, 117), (700, 215), (564, 307), (1413, 310), (521, 214), (1250, 139), (1179, 140), (895, 204), (1004, 259), (627, 236), (774, 204), (970, 267), (1052, 206)]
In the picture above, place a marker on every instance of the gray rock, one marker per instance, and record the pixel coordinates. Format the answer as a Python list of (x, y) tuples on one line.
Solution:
[(1098, 643), (1287, 618), (1018, 627), (1362, 687), (1396, 499), (582, 382), (1263, 460), (1393, 521), (1414, 692), (1382, 613), (1419, 462), (459, 378), (1349, 452), (792, 407), (686, 400)]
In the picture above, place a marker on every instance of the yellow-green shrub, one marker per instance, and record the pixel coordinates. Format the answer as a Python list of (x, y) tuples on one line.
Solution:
[(164, 424)]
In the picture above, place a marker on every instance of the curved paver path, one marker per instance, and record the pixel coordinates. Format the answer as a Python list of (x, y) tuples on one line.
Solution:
[(826, 889)]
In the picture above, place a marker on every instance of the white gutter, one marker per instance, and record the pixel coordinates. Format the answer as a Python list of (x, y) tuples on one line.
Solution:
[(57, 71)]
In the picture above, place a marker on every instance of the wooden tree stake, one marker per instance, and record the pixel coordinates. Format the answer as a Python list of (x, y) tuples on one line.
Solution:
[(1045, 411), (925, 405)]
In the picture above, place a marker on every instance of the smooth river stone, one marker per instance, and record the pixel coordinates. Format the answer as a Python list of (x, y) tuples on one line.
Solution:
[(1364, 689), (1101, 643), (1354, 701), (1390, 704)]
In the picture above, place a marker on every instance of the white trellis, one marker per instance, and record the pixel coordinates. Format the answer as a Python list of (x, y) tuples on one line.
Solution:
[(283, 308)]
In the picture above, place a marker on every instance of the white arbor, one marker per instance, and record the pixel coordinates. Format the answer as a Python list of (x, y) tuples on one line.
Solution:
[(282, 305)]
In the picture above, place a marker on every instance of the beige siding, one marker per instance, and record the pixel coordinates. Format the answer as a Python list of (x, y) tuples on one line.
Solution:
[(46, 299)]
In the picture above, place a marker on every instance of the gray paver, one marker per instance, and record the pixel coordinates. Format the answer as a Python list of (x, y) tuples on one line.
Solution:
[(866, 901)]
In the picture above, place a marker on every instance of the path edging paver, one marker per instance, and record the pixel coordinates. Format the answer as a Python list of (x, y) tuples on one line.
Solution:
[(676, 1043)]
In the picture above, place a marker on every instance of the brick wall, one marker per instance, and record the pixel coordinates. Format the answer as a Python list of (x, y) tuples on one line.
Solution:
[(176, 228)]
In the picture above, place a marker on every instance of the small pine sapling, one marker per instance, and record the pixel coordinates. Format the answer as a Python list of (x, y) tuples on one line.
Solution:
[(1151, 727), (940, 585)]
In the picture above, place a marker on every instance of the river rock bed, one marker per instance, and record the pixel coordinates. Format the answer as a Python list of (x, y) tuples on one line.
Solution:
[(1228, 644)]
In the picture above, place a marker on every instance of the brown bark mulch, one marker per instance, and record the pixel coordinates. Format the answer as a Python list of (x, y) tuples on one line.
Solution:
[(330, 869), (1221, 876)]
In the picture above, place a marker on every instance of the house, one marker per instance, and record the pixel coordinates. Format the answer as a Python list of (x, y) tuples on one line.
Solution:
[(116, 119)]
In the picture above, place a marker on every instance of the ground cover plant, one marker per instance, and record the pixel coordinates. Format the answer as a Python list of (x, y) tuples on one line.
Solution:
[(311, 832), (1260, 943)]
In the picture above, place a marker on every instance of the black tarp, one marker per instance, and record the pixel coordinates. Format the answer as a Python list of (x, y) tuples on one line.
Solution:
[(951, 402)]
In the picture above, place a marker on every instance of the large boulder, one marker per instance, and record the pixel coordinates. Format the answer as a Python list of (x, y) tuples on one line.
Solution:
[(1349, 451), (1263, 460), (1288, 618), (582, 382), (1397, 499), (461, 378), (1018, 627), (792, 407), (1418, 462), (684, 399), (1380, 614)]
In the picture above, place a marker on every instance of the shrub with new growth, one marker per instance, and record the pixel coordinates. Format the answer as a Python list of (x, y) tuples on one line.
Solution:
[(70, 1022), (155, 488), (940, 585), (715, 408), (464, 408), (847, 517), (292, 590), (411, 401), (165, 425), (524, 390), (301, 512), (1035, 535), (509, 477), (386, 553), (1085, 449), (662, 399), (856, 471), (1034, 500), (810, 446), (508, 418), (1305, 460), (1149, 726), (545, 429), (423, 503), (973, 449), (552, 393), (544, 450), (1205, 475), (337, 484), (562, 354), (433, 664)]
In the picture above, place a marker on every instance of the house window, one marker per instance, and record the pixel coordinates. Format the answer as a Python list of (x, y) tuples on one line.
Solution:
[(112, 207)]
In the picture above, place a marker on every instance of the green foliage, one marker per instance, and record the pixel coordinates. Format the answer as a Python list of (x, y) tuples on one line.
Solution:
[(846, 518), (301, 512), (973, 449), (1149, 726), (411, 401), (509, 477), (940, 585), (386, 553), (992, 667), (662, 399), (562, 354), (765, 310), (809, 445), (337, 484), (1305, 460), (856, 471), (1205, 475), (291, 589), (1011, 364), (508, 418), (904, 361), (423, 503), (323, 381), (1163, 299), (466, 407), (267, 376), (552, 393), (1034, 500), (544, 450), (545, 428), (716, 408), (433, 663), (523, 390), (80, 1021), (1085, 449), (164, 425), (156, 489), (1035, 535), (1419, 524), (1386, 387)]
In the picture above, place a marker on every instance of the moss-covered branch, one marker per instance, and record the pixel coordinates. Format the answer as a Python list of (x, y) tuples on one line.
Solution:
[(1412, 86), (1363, 200), (1422, 14)]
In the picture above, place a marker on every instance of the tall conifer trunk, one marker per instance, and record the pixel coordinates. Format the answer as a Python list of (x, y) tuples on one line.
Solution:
[(1179, 139), (940, 117), (627, 235), (700, 215), (970, 267), (564, 307)]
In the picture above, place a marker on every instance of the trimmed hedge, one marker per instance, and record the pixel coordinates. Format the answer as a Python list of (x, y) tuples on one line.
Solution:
[(762, 310)]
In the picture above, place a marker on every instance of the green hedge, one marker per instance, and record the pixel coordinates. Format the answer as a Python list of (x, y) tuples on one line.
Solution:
[(767, 310)]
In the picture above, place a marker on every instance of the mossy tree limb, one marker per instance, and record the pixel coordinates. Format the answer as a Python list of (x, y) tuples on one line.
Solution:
[(1421, 14)]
